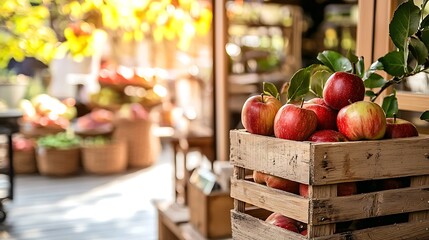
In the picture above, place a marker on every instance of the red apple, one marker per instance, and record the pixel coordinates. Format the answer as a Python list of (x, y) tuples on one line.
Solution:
[(303, 190), (259, 177), (362, 120), (327, 135), (319, 101), (294, 123), (346, 189), (282, 184), (392, 183), (400, 128), (326, 116), (282, 221), (258, 113), (304, 232), (343, 88), (343, 189)]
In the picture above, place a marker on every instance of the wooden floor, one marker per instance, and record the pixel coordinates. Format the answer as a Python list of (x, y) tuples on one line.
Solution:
[(89, 207)]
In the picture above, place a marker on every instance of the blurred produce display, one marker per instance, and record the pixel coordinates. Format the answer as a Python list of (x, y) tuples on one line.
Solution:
[(122, 85), (46, 111), (60, 141)]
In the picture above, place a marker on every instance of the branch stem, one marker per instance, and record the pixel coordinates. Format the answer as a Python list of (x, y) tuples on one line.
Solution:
[(395, 80)]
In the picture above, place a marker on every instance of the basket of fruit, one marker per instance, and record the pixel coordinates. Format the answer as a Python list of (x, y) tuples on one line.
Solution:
[(24, 157), (134, 127), (58, 155), (45, 115), (101, 155)]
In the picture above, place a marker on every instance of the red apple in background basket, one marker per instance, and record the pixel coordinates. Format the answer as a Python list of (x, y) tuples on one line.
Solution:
[(400, 128), (258, 112), (326, 116), (294, 123), (362, 120), (343, 88), (279, 220), (327, 135)]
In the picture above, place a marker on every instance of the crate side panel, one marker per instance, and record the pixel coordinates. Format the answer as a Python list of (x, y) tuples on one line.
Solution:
[(246, 227), (364, 160), (279, 157), (288, 204), (361, 206)]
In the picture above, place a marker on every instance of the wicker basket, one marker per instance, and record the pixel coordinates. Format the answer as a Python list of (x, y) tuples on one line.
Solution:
[(58, 162), (143, 146), (105, 159), (24, 162)]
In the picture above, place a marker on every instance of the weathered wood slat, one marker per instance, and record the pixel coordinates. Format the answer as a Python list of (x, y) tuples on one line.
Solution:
[(354, 161), (328, 163), (362, 206), (288, 204), (315, 192), (283, 158), (246, 227)]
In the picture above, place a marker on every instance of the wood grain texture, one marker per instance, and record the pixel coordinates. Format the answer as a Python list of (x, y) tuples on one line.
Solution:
[(362, 206), (246, 227), (283, 158), (329, 163), (288, 204)]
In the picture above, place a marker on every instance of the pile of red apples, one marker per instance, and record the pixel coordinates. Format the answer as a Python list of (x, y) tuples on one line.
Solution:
[(341, 115)]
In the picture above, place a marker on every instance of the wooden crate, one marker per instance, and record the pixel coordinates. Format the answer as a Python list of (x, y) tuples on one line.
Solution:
[(322, 166), (210, 214)]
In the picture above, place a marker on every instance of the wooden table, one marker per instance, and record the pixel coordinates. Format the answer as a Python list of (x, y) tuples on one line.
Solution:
[(198, 139), (173, 222)]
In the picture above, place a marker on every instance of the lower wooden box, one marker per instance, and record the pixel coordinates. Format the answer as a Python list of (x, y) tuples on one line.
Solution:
[(210, 214), (373, 212)]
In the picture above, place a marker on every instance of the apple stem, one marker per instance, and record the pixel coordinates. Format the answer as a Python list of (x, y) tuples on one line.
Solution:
[(394, 118), (302, 102), (262, 97)]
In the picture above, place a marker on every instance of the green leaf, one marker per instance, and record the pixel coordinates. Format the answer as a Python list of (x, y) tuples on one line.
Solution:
[(299, 85), (394, 63), (377, 65), (390, 105), (405, 23), (318, 80), (425, 116), (374, 81), (270, 89), (418, 50), (424, 37), (353, 58), (370, 93), (360, 67), (335, 61)]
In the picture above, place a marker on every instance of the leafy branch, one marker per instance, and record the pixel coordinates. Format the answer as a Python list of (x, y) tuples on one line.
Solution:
[(408, 30)]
